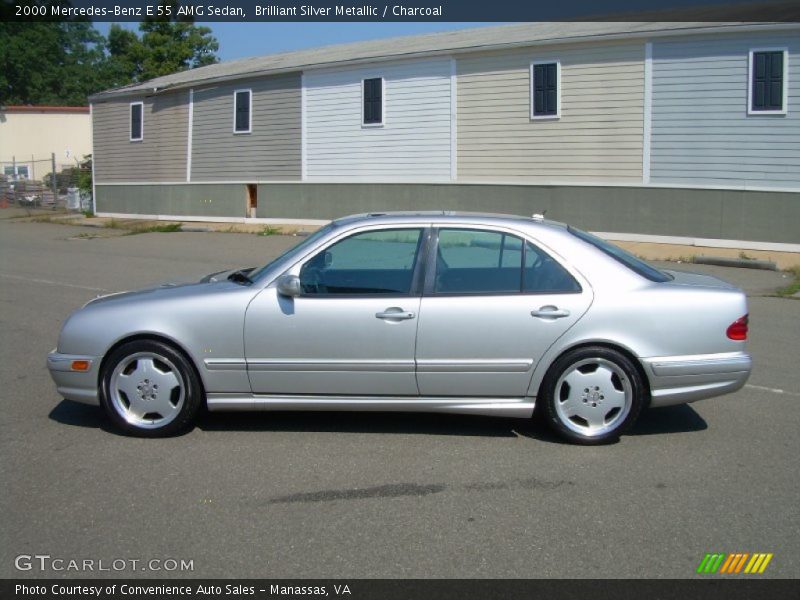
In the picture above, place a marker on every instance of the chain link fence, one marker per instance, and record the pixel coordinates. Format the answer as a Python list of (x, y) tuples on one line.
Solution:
[(41, 183)]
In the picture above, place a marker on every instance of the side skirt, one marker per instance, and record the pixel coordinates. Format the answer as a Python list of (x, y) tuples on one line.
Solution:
[(493, 407)]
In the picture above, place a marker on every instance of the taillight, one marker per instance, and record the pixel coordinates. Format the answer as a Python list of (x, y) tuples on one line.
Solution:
[(738, 329)]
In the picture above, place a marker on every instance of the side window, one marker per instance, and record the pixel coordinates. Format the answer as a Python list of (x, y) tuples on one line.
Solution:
[(543, 275), (477, 262), (487, 262), (373, 262)]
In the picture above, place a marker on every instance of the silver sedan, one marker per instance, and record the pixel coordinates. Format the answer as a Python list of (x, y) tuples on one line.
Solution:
[(435, 312)]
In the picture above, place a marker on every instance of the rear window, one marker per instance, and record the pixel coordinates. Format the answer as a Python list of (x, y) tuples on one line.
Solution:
[(635, 264)]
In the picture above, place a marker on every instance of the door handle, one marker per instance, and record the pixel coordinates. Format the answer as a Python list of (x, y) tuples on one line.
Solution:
[(395, 313), (550, 312)]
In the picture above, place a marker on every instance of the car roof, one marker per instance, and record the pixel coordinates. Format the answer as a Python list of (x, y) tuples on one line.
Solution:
[(456, 217)]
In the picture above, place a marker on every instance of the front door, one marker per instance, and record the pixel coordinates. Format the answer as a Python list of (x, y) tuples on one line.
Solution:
[(493, 305), (352, 331)]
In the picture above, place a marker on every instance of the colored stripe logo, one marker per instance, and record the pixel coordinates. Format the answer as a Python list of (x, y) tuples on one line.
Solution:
[(734, 564)]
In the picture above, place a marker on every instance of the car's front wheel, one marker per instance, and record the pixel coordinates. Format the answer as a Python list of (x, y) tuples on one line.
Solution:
[(149, 389), (592, 395)]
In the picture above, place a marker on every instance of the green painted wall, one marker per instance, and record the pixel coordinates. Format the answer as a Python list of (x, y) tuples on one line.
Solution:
[(721, 214), (217, 200)]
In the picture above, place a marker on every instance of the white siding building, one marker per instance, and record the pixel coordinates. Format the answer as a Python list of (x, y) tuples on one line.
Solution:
[(411, 141)]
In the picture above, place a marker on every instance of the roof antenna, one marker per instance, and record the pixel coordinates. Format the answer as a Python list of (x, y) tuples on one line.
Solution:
[(539, 216)]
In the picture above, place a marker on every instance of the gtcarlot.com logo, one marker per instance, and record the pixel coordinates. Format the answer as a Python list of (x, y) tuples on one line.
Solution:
[(46, 562), (737, 563)]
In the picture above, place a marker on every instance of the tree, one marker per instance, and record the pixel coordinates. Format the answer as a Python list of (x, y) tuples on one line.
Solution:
[(175, 44), (63, 63), (50, 63), (126, 54), (168, 44)]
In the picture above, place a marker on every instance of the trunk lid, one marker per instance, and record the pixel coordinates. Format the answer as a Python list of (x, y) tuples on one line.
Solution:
[(697, 280)]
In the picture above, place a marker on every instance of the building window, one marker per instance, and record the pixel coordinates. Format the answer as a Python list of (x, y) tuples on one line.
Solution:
[(242, 111), (372, 92), (546, 90), (137, 121), (767, 81), (16, 172)]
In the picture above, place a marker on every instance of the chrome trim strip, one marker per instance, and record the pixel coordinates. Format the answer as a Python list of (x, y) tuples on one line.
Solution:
[(708, 364), (225, 364), (498, 407), (502, 365), (290, 364)]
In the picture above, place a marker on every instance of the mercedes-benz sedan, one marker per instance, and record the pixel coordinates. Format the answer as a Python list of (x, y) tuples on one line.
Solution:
[(440, 312)]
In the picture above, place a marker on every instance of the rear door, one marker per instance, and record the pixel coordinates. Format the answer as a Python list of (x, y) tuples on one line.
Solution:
[(493, 304)]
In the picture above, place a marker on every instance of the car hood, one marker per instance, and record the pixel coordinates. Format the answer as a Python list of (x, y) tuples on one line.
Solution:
[(209, 283)]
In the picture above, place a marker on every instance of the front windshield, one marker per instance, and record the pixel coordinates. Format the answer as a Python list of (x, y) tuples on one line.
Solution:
[(294, 250)]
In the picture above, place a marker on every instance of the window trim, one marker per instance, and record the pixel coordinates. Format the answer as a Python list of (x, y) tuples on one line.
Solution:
[(785, 75), (249, 111), (130, 122), (429, 288), (383, 103), (557, 115)]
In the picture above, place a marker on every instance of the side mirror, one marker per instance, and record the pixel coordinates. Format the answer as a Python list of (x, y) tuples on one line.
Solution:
[(289, 285)]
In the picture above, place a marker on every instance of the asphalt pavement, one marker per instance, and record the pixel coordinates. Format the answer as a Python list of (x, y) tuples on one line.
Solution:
[(371, 495)]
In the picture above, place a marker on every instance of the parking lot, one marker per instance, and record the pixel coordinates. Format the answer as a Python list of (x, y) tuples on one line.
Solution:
[(367, 495)]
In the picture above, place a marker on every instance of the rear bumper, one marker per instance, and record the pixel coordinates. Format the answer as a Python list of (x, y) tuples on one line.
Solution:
[(80, 386), (681, 379)]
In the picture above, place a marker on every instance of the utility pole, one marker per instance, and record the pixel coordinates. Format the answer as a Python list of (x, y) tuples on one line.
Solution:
[(53, 179)]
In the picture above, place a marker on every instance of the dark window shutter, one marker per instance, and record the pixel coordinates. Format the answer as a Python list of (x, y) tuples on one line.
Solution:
[(242, 111), (136, 121), (767, 92), (545, 89), (373, 100)]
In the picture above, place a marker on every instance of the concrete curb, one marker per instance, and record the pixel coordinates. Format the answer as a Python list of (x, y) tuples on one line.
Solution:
[(742, 263)]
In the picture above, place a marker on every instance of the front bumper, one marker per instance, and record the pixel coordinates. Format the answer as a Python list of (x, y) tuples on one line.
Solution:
[(80, 386), (682, 379)]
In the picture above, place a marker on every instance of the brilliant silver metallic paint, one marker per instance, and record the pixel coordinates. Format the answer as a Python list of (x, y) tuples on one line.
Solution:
[(254, 348)]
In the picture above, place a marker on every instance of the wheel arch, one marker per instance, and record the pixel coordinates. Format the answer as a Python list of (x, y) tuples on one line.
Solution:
[(146, 336), (626, 352)]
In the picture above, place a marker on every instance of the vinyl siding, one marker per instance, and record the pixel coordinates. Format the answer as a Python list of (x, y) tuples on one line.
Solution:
[(701, 131), (159, 157), (597, 138), (270, 152), (414, 141)]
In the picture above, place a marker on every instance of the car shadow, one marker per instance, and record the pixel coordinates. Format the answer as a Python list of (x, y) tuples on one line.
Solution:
[(359, 422), (671, 419), (681, 418), (77, 414)]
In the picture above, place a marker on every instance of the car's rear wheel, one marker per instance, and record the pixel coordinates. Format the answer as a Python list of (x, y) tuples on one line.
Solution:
[(149, 389), (592, 395)]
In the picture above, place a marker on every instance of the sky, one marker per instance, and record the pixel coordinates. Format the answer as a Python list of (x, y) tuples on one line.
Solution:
[(238, 40)]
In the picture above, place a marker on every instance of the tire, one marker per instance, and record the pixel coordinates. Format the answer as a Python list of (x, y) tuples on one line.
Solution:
[(149, 389), (592, 395)]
